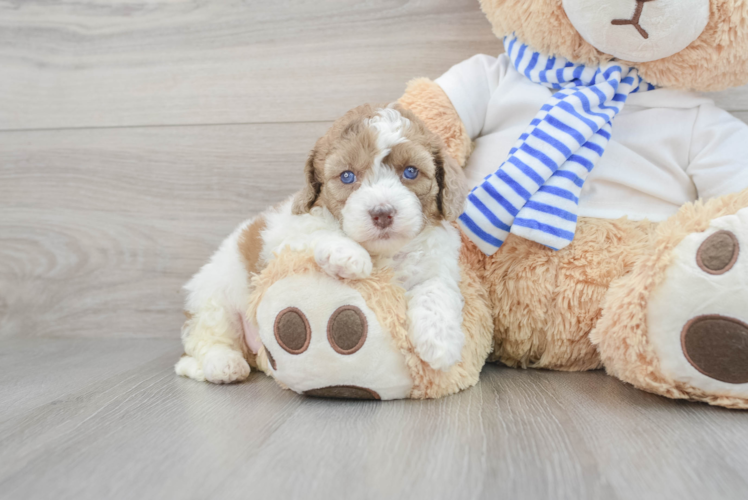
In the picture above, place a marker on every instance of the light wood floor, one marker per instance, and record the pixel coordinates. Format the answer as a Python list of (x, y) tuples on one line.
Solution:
[(133, 136)]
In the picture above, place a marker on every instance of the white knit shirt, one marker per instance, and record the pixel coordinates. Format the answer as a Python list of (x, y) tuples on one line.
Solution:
[(668, 147)]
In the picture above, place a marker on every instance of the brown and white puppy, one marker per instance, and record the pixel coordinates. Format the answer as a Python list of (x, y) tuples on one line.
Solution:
[(380, 191), (384, 176)]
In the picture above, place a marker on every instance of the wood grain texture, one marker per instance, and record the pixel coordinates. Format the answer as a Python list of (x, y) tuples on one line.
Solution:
[(134, 135), (92, 63), (138, 431), (100, 228)]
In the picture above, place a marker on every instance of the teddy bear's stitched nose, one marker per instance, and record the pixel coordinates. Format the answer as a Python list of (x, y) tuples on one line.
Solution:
[(635, 20)]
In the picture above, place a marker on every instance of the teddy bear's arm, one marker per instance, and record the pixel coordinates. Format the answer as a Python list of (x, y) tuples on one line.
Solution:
[(718, 162), (429, 102), (454, 107)]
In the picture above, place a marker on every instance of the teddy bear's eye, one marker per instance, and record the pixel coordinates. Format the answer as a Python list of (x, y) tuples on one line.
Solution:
[(410, 173), (348, 177)]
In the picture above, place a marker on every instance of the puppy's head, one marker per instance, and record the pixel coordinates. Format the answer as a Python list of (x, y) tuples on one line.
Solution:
[(384, 176)]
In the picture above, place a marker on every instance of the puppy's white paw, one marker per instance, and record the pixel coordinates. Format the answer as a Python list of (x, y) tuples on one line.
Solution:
[(437, 337), (222, 365), (187, 366), (439, 355), (344, 259)]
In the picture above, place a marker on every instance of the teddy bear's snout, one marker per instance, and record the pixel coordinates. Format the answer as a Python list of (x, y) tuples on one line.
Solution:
[(639, 30), (634, 21)]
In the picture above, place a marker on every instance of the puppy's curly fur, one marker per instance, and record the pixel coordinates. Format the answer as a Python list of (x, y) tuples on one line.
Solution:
[(402, 189)]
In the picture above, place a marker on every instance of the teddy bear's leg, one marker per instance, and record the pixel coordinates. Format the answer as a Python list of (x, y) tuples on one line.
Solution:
[(429, 102), (678, 324), (323, 336), (545, 303)]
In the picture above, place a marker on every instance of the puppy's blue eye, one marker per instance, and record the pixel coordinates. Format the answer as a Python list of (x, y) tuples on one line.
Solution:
[(348, 177), (410, 173)]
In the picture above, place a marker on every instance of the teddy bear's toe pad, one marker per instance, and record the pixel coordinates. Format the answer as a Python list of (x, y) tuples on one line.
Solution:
[(698, 316), (323, 340), (346, 329), (292, 330), (717, 346), (718, 253)]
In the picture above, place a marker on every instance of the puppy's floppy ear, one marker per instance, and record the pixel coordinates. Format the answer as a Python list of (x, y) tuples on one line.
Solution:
[(452, 185), (305, 199)]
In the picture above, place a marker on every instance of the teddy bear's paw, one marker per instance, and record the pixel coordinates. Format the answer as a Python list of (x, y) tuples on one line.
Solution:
[(322, 339), (698, 317), (223, 365), (343, 258)]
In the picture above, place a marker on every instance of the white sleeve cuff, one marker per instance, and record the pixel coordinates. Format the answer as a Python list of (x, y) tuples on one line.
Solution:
[(469, 85), (719, 153)]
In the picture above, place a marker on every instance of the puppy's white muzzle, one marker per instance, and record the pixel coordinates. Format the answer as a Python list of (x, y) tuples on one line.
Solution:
[(382, 214)]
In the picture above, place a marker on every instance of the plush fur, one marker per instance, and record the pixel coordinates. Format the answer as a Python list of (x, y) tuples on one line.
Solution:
[(428, 101), (342, 224), (621, 334), (389, 302), (376, 146), (596, 304), (584, 307), (717, 60)]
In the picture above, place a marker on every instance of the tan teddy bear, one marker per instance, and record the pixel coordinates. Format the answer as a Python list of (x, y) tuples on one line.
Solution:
[(607, 224)]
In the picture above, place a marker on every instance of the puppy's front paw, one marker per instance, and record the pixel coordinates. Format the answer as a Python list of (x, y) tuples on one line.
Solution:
[(439, 355), (222, 365), (187, 366), (438, 338), (344, 259)]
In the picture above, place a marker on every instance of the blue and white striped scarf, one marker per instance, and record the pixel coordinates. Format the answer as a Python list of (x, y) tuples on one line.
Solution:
[(535, 192)]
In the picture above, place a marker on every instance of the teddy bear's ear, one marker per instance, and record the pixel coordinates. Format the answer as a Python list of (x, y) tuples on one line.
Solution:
[(452, 185), (305, 199)]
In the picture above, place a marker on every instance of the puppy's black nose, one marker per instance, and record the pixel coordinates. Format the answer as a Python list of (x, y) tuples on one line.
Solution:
[(382, 216)]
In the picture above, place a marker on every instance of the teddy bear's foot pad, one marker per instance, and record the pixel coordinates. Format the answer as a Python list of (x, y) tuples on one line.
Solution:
[(343, 392), (698, 316), (323, 340), (717, 346)]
